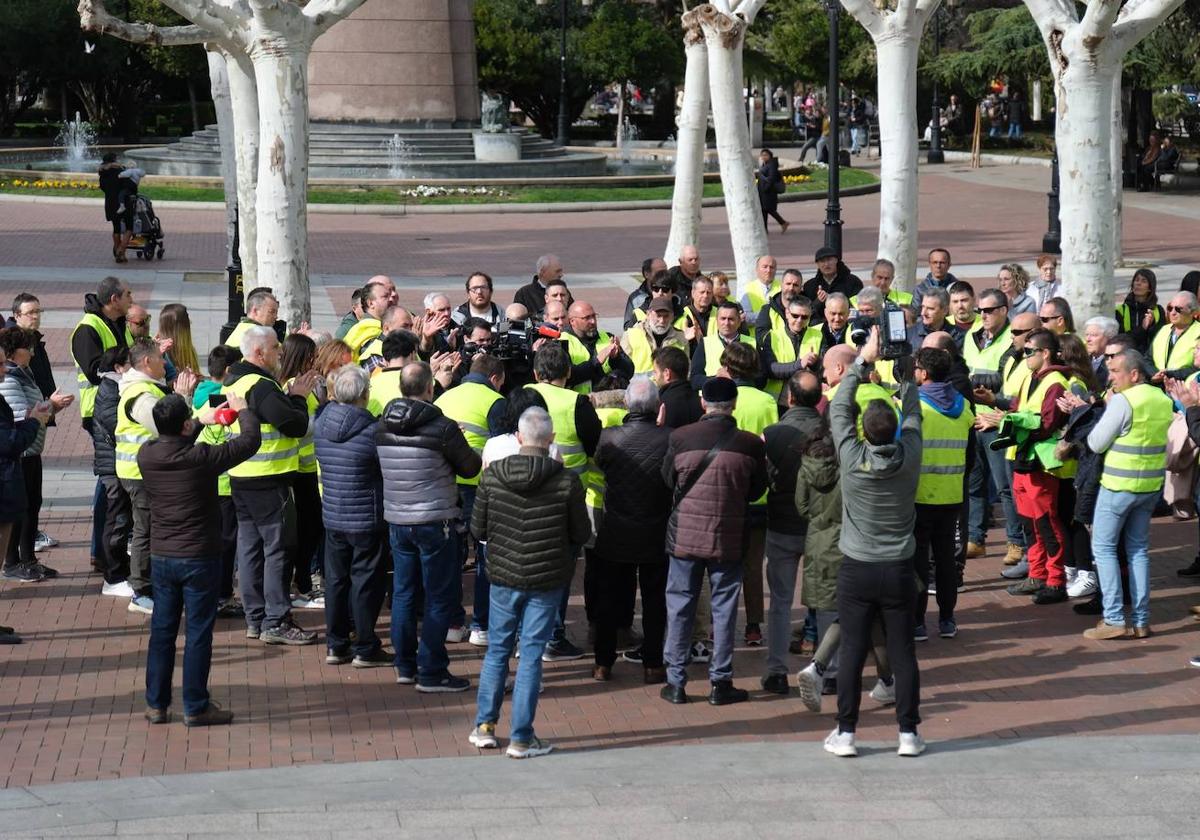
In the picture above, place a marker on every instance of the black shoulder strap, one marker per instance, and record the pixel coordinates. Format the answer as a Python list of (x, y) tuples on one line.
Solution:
[(682, 490)]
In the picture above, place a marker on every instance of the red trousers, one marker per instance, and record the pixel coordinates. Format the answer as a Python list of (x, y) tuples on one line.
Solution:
[(1036, 498)]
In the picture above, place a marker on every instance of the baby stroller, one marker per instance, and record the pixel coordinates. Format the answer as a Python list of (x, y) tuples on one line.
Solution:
[(147, 241)]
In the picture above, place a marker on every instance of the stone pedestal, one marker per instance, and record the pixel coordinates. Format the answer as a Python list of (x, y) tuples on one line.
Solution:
[(398, 61), (496, 146)]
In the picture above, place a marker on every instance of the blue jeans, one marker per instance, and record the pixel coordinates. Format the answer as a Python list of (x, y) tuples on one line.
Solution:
[(1131, 512), (423, 555), (182, 583), (531, 617), (1000, 469), (479, 606), (1014, 130), (684, 578)]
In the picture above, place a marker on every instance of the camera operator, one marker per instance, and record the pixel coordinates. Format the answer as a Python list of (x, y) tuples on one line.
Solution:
[(879, 476), (594, 353)]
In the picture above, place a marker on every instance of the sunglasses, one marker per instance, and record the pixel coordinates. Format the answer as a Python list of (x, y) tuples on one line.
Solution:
[(1047, 320), (988, 310), (1171, 308), (1029, 351), (1019, 332)]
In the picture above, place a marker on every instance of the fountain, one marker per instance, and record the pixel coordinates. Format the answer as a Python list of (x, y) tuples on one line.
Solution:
[(627, 135), (77, 139), (400, 153)]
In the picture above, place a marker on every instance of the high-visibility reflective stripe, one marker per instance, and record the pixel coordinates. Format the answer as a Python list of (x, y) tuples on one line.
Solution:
[(943, 443), (1117, 472), (955, 469), (274, 456), (126, 456), (578, 470), (1137, 450), (471, 427), (265, 436), (570, 448), (308, 460), (137, 438)]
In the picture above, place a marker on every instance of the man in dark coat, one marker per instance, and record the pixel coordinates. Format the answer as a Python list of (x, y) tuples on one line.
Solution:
[(533, 294), (530, 510), (832, 276), (680, 402), (629, 546), (715, 471), (185, 544)]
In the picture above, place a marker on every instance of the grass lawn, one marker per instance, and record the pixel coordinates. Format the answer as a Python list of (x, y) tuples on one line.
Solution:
[(393, 195)]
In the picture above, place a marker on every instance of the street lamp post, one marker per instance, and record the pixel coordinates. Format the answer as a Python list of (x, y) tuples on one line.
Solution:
[(564, 123), (1052, 238), (833, 209), (233, 279), (936, 155)]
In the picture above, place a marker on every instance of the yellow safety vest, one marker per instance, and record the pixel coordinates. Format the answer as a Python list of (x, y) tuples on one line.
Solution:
[(895, 296), (560, 402), (757, 298), (1180, 355), (610, 417), (1125, 316), (594, 483), (374, 347), (943, 455), (1033, 402), (579, 354), (754, 411), (361, 334), (866, 394), (468, 405), (131, 434), (1015, 377), (235, 337), (1137, 460), (307, 457), (987, 360), (215, 435), (714, 346), (278, 454), (87, 391), (641, 349), (785, 351), (385, 387)]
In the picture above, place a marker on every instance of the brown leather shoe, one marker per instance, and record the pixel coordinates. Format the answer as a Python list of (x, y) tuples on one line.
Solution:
[(1103, 632), (1195, 610), (1143, 632), (656, 676), (975, 549), (158, 716), (602, 673), (1013, 555), (213, 715)]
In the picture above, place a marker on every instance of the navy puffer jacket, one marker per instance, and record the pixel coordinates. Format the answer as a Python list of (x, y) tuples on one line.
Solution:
[(352, 485)]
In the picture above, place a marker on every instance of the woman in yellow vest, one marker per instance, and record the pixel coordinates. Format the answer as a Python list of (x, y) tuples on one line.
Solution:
[(1140, 313)]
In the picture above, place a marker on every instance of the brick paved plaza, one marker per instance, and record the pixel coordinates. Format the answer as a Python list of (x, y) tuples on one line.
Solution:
[(71, 696)]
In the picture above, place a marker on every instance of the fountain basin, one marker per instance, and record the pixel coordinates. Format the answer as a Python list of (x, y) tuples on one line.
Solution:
[(503, 147)]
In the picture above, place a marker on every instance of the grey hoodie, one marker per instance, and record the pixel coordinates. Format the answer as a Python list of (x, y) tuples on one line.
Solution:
[(879, 483)]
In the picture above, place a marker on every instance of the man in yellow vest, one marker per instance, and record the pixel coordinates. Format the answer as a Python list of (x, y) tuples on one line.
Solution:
[(1173, 345), (262, 309), (577, 430), (476, 406), (375, 302), (260, 485), (395, 317), (755, 410), (1035, 488), (760, 288), (697, 319), (594, 353), (789, 346), (141, 387), (706, 361), (656, 331), (946, 453), (772, 314), (1132, 436), (883, 273)]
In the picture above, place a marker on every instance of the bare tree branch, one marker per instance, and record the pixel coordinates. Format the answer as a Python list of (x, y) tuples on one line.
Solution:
[(868, 16), (748, 9), (927, 7), (1098, 20), (1138, 19), (325, 13), (94, 17), (1051, 15), (902, 17), (221, 19)]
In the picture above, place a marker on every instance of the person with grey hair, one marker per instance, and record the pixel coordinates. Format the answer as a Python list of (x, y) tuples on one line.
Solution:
[(837, 318), (352, 510), (530, 510), (533, 294), (1173, 346), (262, 309), (629, 545), (934, 312), (437, 330), (1097, 332), (883, 274), (261, 485)]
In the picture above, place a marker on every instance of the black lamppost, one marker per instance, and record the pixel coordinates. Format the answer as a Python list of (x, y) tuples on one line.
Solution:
[(935, 154), (833, 209), (564, 120), (233, 276), (1052, 238)]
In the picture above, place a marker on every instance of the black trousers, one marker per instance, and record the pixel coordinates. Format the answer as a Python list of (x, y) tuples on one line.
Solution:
[(354, 589), (934, 533), (118, 525), (309, 532), (616, 585), (865, 591), (20, 546), (229, 529), (592, 593)]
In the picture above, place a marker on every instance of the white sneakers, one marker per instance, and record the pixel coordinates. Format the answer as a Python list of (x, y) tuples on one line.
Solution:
[(841, 744), (911, 745), (121, 589), (883, 693), (454, 635), (809, 683), (1085, 583), (479, 638)]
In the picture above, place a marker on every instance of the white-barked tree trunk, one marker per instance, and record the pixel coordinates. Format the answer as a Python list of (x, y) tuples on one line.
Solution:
[(1086, 56), (244, 99), (690, 140), (896, 33), (218, 80)]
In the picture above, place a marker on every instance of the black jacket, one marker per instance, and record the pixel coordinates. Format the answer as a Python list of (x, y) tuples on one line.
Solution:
[(43, 373), (104, 426), (637, 501), (533, 297), (681, 404), (844, 282), (15, 438), (785, 441), (271, 406), (531, 512), (182, 479), (86, 346), (592, 371)]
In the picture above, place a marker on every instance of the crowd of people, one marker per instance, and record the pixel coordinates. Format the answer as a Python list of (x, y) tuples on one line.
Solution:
[(713, 457)]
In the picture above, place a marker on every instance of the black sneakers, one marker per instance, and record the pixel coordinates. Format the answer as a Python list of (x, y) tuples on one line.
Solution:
[(287, 632), (724, 694), (447, 684)]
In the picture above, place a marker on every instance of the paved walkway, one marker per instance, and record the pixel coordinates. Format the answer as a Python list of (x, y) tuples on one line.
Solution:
[(1096, 788)]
